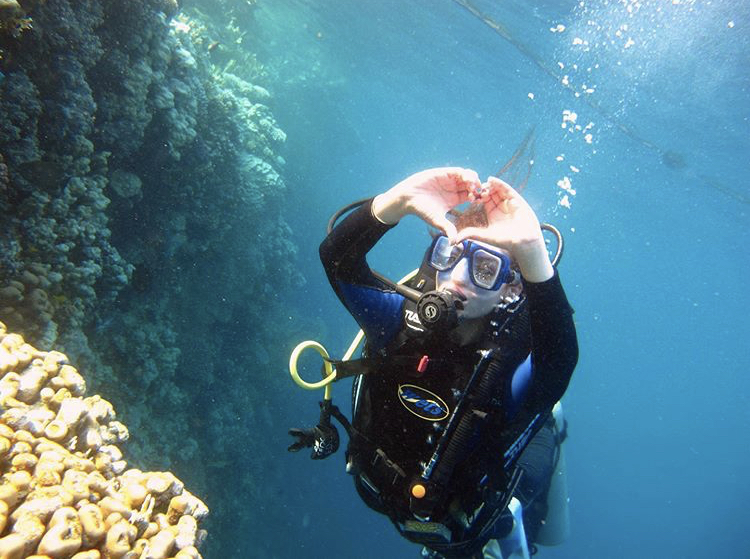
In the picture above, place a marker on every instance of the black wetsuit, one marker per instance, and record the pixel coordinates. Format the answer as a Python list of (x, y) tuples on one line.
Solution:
[(539, 347)]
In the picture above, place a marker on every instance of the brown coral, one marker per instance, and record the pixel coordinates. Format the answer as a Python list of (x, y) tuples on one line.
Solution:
[(65, 489)]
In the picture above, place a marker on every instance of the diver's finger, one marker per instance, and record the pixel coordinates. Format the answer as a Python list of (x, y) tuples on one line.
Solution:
[(465, 182), (504, 201), (438, 220), (508, 205), (471, 178), (446, 226), (497, 182), (464, 175), (479, 193), (450, 230), (497, 186)]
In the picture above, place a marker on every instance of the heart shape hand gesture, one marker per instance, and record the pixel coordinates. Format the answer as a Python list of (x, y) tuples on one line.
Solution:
[(512, 224)]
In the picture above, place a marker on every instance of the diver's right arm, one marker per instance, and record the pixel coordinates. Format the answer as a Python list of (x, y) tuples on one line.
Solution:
[(343, 251), (429, 195), (375, 306)]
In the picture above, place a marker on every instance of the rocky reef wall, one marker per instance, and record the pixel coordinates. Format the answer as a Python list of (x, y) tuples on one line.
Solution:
[(143, 231)]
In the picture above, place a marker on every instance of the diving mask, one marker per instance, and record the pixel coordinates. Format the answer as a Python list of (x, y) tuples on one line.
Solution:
[(489, 267)]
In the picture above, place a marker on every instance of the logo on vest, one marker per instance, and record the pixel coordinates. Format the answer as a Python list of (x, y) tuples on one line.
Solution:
[(412, 320), (423, 403)]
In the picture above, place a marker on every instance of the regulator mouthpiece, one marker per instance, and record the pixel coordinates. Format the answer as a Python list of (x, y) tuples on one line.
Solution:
[(438, 310)]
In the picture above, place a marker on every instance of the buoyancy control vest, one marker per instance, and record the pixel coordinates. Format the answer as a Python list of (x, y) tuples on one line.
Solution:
[(433, 416)]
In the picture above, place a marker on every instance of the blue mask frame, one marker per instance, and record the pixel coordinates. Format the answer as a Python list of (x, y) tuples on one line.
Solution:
[(442, 262)]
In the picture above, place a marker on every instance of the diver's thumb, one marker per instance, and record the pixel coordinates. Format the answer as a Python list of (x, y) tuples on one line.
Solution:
[(439, 221), (449, 229)]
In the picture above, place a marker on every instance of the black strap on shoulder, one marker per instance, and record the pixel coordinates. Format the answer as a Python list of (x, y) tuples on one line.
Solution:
[(352, 368)]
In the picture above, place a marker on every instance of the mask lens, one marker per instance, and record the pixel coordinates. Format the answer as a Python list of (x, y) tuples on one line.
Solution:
[(444, 256), (486, 268)]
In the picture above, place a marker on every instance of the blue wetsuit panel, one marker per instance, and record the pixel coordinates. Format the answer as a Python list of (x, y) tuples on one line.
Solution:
[(378, 313), (519, 387)]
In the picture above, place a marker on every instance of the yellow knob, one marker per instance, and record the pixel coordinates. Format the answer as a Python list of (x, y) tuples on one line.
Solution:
[(418, 491)]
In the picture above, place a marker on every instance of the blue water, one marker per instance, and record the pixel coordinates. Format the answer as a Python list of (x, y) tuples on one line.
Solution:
[(657, 235)]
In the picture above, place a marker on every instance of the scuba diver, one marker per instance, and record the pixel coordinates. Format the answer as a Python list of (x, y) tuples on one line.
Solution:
[(456, 424)]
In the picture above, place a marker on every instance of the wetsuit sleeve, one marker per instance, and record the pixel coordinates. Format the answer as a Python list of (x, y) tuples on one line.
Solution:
[(376, 308), (540, 381), (554, 344)]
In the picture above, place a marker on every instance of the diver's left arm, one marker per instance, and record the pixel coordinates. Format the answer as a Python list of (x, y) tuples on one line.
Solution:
[(533, 391), (533, 260), (554, 344), (514, 226)]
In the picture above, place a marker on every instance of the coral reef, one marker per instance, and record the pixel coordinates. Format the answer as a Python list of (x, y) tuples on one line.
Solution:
[(56, 177), (14, 18), (142, 197), (65, 489)]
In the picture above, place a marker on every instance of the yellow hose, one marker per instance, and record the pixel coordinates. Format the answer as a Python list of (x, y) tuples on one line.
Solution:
[(330, 373)]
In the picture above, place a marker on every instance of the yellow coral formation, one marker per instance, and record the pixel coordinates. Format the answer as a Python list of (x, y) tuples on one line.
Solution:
[(65, 489)]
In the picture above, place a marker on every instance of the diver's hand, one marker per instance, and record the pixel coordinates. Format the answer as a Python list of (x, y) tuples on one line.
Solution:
[(305, 438), (512, 225), (324, 440), (429, 194)]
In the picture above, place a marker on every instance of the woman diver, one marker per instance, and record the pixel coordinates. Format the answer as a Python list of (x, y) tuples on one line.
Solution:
[(452, 435)]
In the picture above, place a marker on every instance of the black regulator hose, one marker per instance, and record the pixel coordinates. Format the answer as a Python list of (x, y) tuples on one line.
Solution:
[(335, 218), (560, 242), (408, 293), (459, 434)]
